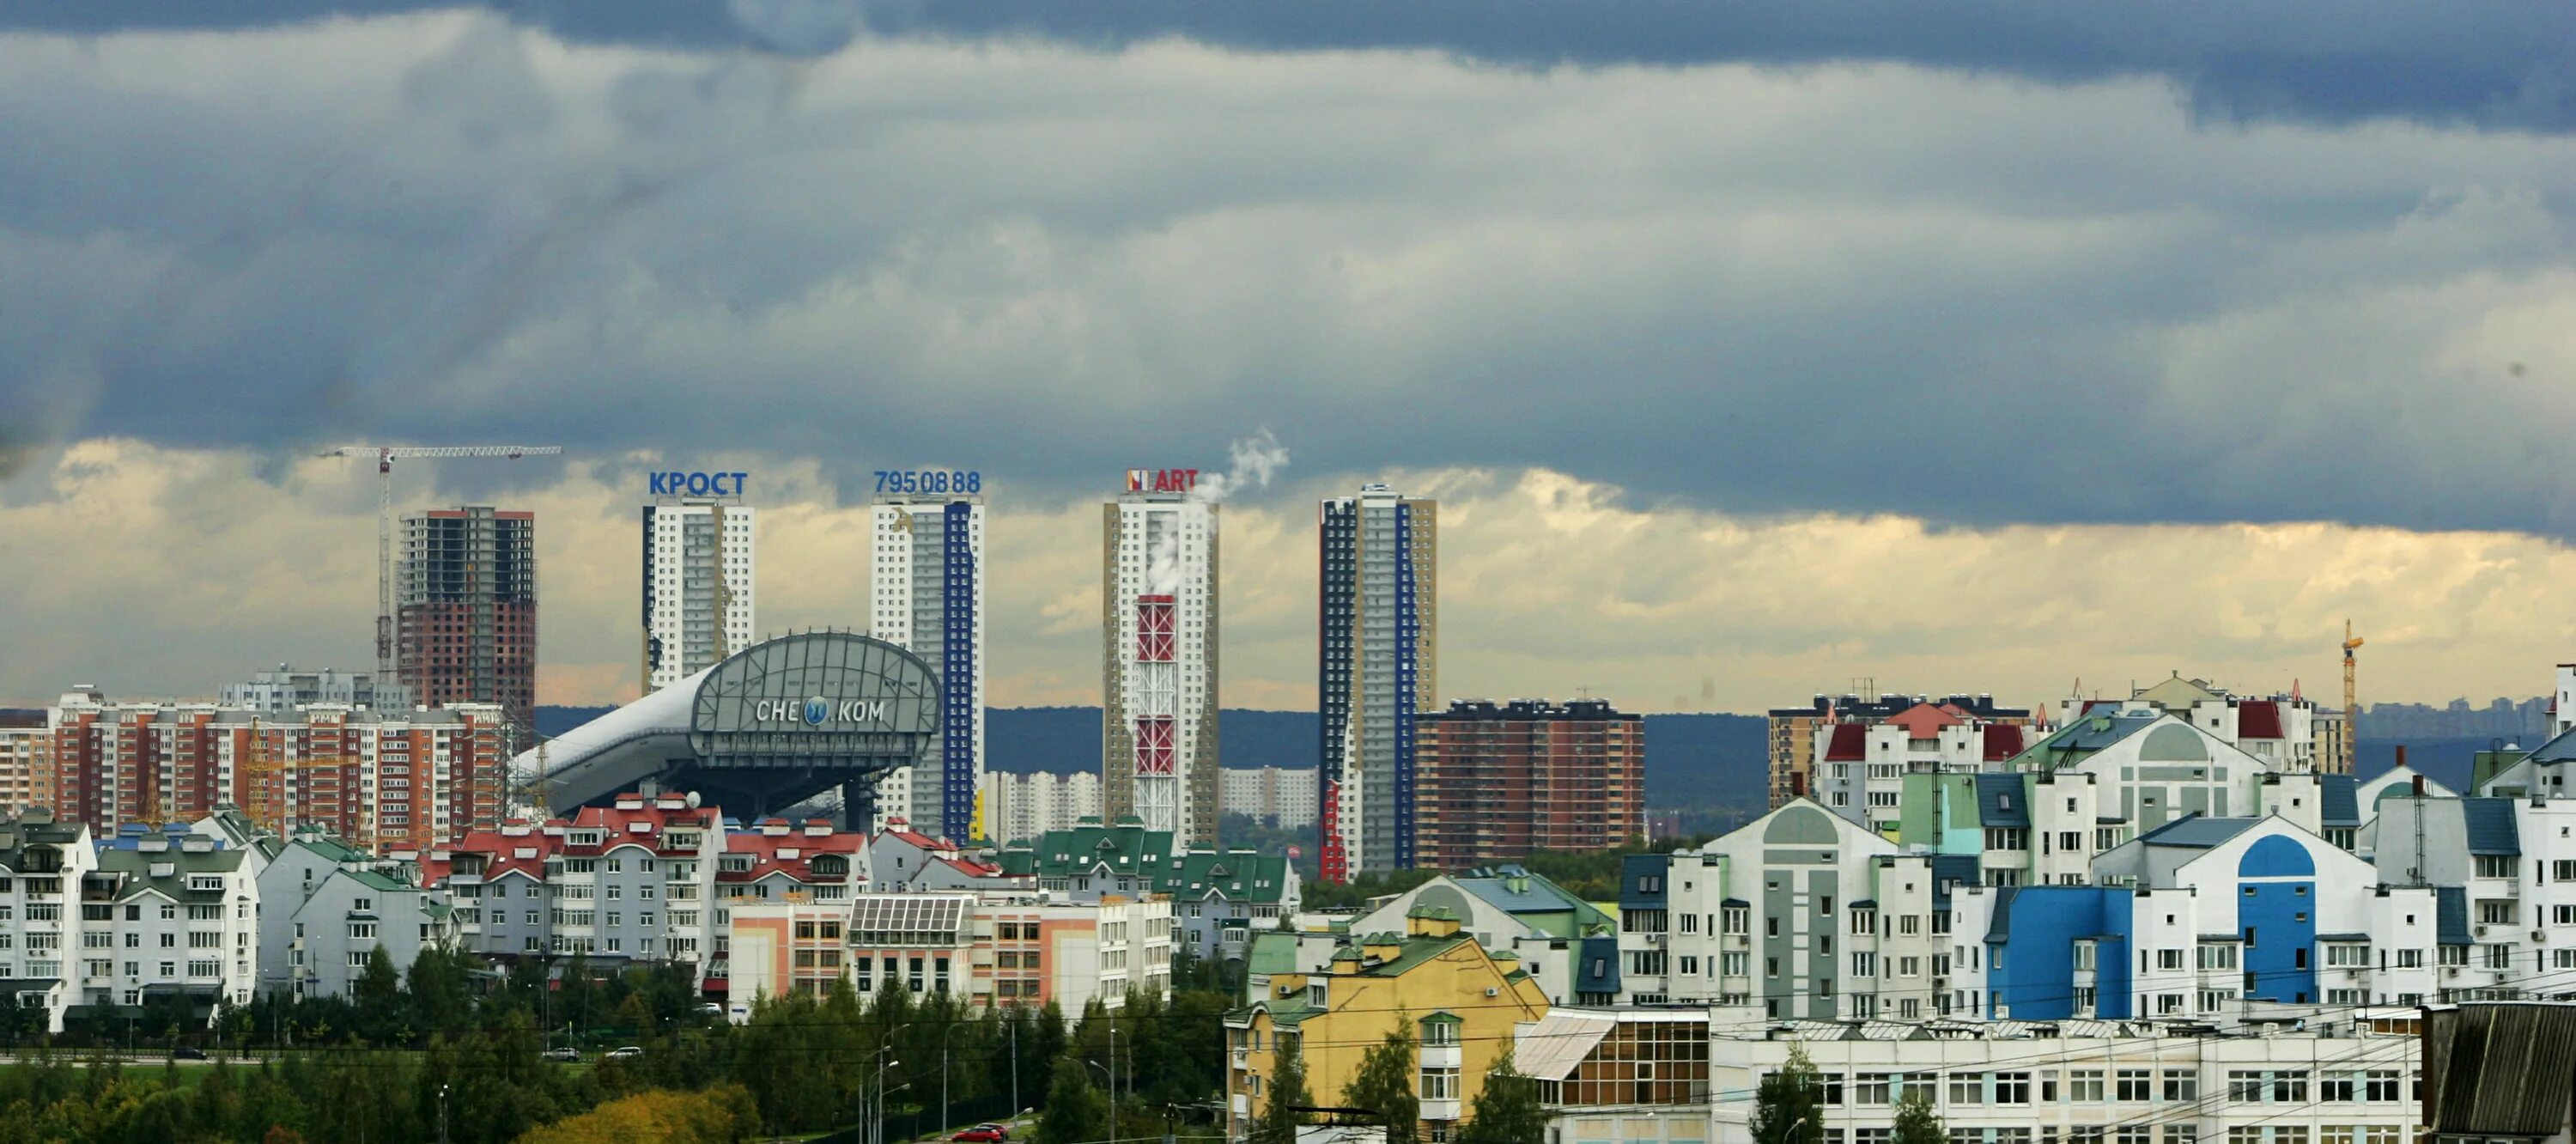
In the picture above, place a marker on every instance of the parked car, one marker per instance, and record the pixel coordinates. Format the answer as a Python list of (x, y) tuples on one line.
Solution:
[(184, 1053), (985, 1133), (564, 1053), (625, 1053)]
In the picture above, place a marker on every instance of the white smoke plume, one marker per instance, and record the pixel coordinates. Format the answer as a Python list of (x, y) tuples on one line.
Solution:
[(1256, 459), (1163, 570)]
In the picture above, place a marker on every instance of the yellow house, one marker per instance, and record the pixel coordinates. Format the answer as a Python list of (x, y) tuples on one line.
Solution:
[(1465, 1004)]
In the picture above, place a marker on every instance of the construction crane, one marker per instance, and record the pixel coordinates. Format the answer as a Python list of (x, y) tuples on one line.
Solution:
[(385, 456), (253, 777), (2351, 713)]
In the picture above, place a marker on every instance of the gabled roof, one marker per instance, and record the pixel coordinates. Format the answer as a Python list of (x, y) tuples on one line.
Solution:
[(791, 854), (2000, 800), (2071, 743), (2177, 693), (1924, 720), (1241, 876), (2258, 719), (136, 867), (1849, 744), (2561, 748), (1519, 892), (2002, 741), (2488, 822), (1947, 869), (1127, 848)]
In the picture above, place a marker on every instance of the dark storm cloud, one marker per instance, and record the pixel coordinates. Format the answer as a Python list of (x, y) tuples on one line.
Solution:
[(2504, 63), (1953, 294)]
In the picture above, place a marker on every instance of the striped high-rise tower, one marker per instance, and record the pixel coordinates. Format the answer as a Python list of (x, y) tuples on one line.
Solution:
[(928, 596), (1159, 656), (1377, 637)]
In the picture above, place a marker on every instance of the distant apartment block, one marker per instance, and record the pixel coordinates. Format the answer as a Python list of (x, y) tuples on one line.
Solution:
[(1792, 732), (386, 780), (926, 594), (1498, 781), (1282, 793), (1022, 807), (280, 692), (2286, 730), (465, 611), (22, 743), (699, 579)]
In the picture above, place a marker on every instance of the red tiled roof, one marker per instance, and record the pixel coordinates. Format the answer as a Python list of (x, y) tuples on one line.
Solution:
[(2258, 719), (1923, 721), (2003, 741), (499, 848), (764, 849), (1850, 743)]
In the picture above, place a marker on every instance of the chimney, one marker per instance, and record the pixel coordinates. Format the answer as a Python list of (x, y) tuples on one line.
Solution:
[(2401, 757), (1386, 945), (2419, 786), (1797, 785)]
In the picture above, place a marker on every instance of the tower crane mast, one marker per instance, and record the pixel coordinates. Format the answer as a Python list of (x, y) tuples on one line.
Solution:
[(385, 456), (2351, 713)]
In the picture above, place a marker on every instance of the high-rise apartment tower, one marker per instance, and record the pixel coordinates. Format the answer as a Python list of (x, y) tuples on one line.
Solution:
[(698, 577), (927, 595), (1158, 629), (465, 611), (1377, 641)]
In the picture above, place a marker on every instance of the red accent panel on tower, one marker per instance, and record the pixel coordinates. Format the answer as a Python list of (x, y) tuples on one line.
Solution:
[(2258, 719), (1154, 746), (1154, 629)]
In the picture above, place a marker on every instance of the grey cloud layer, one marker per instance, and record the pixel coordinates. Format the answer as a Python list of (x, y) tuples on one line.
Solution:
[(1856, 287)]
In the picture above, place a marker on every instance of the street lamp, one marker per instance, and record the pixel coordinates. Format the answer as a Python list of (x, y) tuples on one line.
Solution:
[(879, 1134), (442, 1112), (943, 1077), (1112, 1080)]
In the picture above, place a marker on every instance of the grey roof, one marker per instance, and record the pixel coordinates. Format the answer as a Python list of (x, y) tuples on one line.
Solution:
[(2451, 915), (2489, 825), (1518, 891), (2000, 801), (2499, 1069), (1602, 952), (2089, 734), (2340, 800), (2560, 748), (2196, 832)]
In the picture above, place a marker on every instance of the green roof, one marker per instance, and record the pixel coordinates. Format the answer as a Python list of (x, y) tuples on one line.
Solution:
[(1241, 876), (379, 880), (137, 866), (332, 849), (1127, 848)]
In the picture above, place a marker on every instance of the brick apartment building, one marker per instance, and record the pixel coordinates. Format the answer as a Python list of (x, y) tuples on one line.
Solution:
[(465, 611), (1499, 781)]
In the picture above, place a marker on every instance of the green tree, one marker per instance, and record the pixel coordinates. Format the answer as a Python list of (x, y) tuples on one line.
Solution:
[(436, 983), (1277, 1122), (1785, 1107), (1076, 1112), (1916, 1122), (379, 995), (1507, 1110), (1384, 1083)]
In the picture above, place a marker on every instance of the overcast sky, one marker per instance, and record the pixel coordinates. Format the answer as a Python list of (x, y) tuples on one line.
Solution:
[(1749, 353)]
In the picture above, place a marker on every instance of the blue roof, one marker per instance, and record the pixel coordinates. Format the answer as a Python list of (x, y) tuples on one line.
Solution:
[(1634, 870), (2560, 748), (2489, 825), (2196, 831), (1947, 868), (1515, 890), (1598, 970), (2000, 801), (2001, 928), (2341, 799), (2451, 915)]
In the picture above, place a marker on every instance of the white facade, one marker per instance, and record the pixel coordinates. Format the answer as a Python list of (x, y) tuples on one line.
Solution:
[(2112, 1082), (1159, 661), (1285, 793), (926, 594), (281, 692), (172, 913), (1024, 807), (698, 587)]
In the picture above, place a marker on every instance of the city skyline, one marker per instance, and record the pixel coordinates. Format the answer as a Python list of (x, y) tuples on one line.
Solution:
[(2140, 341)]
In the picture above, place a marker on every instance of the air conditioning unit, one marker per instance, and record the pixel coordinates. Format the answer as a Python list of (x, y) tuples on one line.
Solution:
[(2541, 936), (2482, 930), (1491, 991)]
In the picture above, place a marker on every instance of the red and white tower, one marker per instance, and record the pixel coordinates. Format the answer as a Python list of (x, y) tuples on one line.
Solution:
[(1159, 685)]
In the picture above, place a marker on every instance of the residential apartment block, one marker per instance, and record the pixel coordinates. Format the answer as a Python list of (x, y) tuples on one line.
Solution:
[(94, 931), (1497, 781), (990, 948), (1284, 797), (1377, 669), (465, 612), (926, 593), (1020, 807), (1793, 732)]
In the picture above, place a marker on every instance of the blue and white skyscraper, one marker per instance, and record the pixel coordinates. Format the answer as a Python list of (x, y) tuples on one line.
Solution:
[(927, 594), (1377, 640)]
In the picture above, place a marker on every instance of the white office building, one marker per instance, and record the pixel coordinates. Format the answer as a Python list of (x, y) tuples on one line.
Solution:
[(698, 585), (1159, 656), (926, 593)]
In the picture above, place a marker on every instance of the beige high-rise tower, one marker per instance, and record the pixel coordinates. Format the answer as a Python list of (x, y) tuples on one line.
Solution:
[(1158, 655)]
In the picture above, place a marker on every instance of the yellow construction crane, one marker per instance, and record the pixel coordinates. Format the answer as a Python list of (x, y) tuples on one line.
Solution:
[(2351, 713), (252, 778), (385, 456)]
